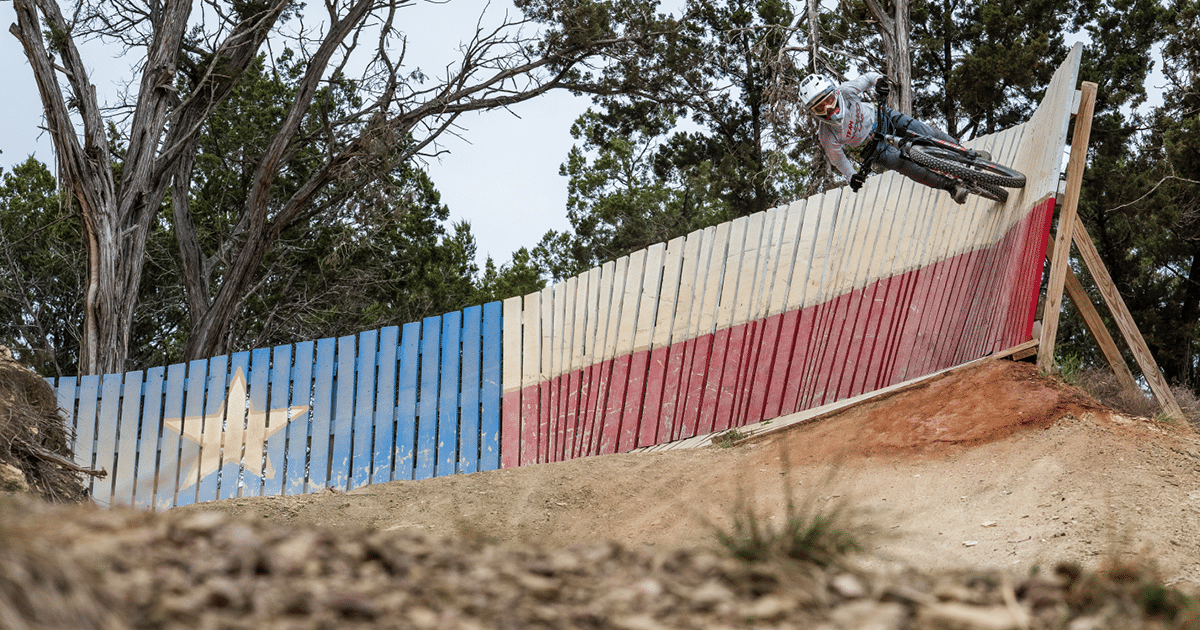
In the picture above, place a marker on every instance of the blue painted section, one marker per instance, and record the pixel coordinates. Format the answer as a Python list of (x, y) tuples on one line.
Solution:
[(409, 402), (297, 430), (275, 466), (468, 448), (150, 438), (406, 401), (318, 462), (106, 441), (490, 388), (385, 406), (167, 482), (343, 416), (447, 445), (125, 466), (364, 410), (428, 401), (254, 456), (217, 484), (192, 421)]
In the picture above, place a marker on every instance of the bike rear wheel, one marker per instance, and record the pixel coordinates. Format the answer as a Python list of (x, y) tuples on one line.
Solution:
[(955, 163)]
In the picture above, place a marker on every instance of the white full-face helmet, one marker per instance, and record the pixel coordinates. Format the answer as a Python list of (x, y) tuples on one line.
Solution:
[(822, 98)]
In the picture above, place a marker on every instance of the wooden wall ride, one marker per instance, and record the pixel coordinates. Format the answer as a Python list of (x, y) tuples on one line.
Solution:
[(786, 310)]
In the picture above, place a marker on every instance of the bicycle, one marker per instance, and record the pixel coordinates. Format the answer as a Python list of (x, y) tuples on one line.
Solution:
[(977, 172)]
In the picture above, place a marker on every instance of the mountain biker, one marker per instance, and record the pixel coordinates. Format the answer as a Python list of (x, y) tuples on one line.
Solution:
[(848, 121)]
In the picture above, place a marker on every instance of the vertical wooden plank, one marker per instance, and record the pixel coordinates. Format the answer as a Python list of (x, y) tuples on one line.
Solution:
[(279, 421), (384, 445), (470, 434), (512, 380), (568, 379), (408, 380), (124, 463), (810, 295), (531, 365), (490, 387), (221, 412), (298, 440), (545, 412), (639, 357), (682, 338), (363, 431), (696, 358), (66, 390), (792, 271), (209, 461), (726, 306), (619, 378), (106, 436), (557, 335), (757, 325), (342, 424), (610, 304), (596, 306), (255, 463), (660, 345), (427, 414), (323, 383), (447, 432), (169, 469), (740, 326), (150, 438)]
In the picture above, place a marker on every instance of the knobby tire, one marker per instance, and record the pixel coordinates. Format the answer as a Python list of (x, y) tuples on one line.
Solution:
[(980, 171)]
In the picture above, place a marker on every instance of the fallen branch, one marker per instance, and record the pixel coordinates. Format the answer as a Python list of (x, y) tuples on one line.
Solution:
[(55, 458)]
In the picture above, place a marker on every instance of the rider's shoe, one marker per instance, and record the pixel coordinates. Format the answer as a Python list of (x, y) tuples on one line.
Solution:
[(960, 193)]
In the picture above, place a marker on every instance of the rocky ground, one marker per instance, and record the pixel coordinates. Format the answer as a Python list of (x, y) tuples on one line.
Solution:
[(988, 498)]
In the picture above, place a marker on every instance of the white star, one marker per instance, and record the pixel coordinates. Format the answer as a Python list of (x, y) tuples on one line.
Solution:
[(212, 439)]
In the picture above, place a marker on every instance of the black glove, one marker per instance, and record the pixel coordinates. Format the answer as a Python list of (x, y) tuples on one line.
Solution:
[(882, 89), (856, 181)]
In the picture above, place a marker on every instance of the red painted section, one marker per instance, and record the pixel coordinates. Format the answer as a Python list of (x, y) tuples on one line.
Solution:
[(510, 431), (530, 411), (574, 395), (610, 423), (695, 368), (892, 330), (710, 386), (730, 381), (655, 418), (635, 394), (670, 424), (762, 364)]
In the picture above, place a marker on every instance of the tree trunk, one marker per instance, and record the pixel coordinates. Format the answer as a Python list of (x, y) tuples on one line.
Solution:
[(894, 31)]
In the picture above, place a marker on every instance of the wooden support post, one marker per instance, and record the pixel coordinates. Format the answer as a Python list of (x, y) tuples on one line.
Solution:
[(1071, 229), (1060, 262), (1133, 337), (1095, 325)]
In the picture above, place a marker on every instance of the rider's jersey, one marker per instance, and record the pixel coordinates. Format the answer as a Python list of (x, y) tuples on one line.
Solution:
[(858, 120)]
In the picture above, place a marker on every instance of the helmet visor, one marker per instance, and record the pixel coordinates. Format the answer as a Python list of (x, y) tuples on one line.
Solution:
[(826, 107)]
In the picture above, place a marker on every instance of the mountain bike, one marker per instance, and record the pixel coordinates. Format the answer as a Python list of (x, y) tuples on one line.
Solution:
[(974, 170)]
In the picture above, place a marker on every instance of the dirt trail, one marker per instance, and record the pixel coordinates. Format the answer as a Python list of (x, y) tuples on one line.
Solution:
[(990, 467)]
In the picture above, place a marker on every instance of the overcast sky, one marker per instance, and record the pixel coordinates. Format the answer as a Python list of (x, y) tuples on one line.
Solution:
[(501, 175)]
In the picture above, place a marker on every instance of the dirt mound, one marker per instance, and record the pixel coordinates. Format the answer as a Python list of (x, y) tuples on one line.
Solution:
[(35, 454)]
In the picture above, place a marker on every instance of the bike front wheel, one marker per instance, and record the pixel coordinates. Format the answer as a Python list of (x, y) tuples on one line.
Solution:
[(956, 163)]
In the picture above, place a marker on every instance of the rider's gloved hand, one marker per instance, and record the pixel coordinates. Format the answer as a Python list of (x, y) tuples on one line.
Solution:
[(856, 181), (882, 89)]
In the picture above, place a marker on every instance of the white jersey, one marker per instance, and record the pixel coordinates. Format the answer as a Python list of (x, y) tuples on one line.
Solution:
[(858, 121)]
